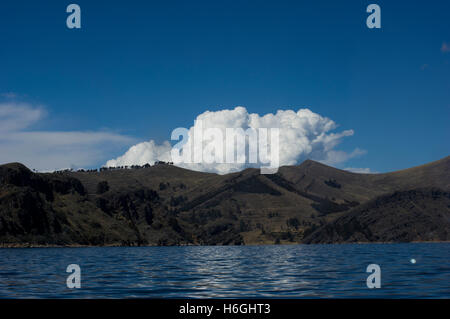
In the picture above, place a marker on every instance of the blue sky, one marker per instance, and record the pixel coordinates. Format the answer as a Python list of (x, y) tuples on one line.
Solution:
[(143, 68)]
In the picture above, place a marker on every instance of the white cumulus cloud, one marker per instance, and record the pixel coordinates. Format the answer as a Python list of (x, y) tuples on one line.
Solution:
[(143, 153), (302, 134)]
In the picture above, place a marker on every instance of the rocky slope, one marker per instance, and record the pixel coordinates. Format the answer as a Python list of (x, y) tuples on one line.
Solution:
[(405, 216), (167, 205)]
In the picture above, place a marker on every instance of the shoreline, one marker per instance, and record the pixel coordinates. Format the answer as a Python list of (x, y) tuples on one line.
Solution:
[(2, 245)]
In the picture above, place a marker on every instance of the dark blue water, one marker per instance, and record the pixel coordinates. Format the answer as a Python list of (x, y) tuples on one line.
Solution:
[(297, 271)]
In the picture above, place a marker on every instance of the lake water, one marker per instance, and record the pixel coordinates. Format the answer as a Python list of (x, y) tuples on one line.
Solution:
[(296, 271)]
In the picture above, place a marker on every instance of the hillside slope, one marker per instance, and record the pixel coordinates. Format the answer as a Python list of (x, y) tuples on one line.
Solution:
[(406, 216), (167, 205)]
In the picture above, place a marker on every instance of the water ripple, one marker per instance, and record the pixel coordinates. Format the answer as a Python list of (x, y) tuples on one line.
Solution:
[(295, 271)]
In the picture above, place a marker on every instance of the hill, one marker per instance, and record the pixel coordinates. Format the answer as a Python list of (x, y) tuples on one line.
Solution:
[(168, 205), (406, 216)]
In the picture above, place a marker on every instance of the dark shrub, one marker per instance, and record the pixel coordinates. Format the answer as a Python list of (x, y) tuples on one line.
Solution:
[(102, 187)]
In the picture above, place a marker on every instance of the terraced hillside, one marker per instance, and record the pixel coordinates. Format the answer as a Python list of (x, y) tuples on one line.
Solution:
[(167, 205)]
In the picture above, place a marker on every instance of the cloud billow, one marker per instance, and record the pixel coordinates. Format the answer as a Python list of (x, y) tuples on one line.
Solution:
[(302, 134)]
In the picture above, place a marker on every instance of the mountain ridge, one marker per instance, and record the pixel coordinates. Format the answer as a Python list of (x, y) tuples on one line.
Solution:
[(168, 205)]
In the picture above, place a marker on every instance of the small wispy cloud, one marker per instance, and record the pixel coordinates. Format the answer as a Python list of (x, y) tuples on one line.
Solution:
[(49, 150), (18, 116), (334, 157), (360, 170), (445, 48)]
